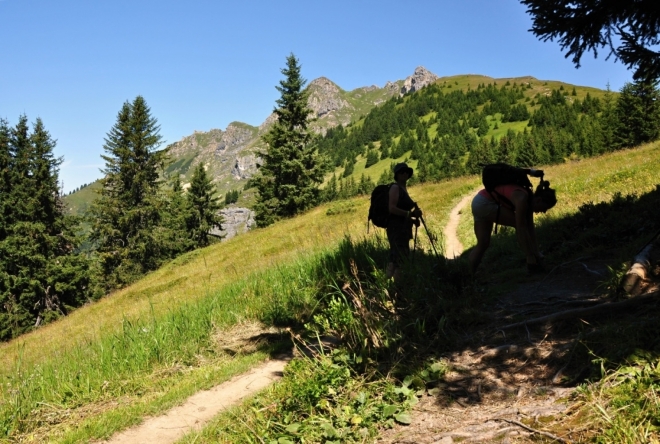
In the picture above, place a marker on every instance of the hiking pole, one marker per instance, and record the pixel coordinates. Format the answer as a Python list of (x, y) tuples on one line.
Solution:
[(414, 244), (430, 237)]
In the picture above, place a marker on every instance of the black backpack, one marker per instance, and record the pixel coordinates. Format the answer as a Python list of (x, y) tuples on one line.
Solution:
[(379, 210), (496, 174)]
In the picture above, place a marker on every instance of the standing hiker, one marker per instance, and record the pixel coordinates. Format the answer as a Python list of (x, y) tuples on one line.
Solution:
[(512, 204), (399, 226)]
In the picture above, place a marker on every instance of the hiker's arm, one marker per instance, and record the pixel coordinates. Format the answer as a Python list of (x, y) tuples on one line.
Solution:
[(524, 224), (532, 172), (394, 199)]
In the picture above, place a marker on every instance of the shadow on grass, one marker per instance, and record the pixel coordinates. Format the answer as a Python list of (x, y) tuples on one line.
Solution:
[(440, 312)]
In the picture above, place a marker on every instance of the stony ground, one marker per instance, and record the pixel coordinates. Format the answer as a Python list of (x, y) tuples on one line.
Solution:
[(507, 385)]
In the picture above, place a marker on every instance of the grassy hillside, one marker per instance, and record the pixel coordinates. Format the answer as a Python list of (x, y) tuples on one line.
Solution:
[(201, 146), (78, 202), (143, 349), (443, 126)]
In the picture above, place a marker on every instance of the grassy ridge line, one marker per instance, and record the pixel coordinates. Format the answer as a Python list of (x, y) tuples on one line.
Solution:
[(190, 276), (597, 179)]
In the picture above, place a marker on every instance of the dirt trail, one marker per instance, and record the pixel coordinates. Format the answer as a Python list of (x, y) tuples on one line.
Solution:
[(501, 386), (453, 247), (505, 386), (202, 407), (502, 380)]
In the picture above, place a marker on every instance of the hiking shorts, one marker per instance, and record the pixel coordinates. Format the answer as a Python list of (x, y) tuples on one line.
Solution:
[(399, 240), (484, 209)]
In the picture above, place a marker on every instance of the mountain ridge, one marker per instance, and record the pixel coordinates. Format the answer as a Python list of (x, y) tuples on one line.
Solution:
[(231, 155)]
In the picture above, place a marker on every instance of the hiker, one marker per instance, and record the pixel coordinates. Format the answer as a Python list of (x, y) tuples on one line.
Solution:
[(514, 206), (399, 226)]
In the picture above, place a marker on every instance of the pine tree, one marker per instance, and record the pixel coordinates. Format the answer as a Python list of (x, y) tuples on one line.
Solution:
[(175, 219), (291, 171), (126, 217), (41, 275), (204, 215), (372, 158), (608, 119), (638, 114), (5, 176), (629, 29)]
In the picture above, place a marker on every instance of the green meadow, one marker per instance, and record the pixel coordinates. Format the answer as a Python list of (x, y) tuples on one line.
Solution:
[(141, 350)]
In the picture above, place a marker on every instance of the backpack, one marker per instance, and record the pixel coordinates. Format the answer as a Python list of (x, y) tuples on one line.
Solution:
[(496, 174), (379, 211)]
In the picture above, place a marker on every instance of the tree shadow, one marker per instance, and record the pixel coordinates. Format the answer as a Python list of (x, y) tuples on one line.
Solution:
[(441, 313)]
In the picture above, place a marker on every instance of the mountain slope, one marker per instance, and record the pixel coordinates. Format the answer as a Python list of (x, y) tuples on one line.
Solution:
[(231, 155)]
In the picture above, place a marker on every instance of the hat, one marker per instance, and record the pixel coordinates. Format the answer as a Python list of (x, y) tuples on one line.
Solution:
[(399, 167)]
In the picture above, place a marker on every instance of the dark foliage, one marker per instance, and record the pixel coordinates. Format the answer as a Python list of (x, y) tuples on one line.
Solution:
[(288, 179), (629, 29), (204, 207), (126, 218), (42, 275)]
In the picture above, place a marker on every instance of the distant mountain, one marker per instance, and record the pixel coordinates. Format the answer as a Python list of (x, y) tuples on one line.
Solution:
[(231, 155)]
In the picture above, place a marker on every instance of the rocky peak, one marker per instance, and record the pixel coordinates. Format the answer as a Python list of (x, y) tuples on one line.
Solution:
[(324, 97), (196, 141), (235, 138), (420, 78)]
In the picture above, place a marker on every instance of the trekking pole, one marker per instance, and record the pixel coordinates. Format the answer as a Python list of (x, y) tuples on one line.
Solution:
[(430, 237), (414, 245)]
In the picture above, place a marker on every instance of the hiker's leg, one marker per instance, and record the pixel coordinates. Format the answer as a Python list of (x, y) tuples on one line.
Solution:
[(482, 230), (532, 235), (521, 222), (389, 271), (392, 270)]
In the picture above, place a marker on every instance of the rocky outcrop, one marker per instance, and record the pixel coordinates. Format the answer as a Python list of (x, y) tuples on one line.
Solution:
[(244, 167), (420, 78), (198, 141), (234, 139), (325, 97), (265, 126), (391, 87), (236, 220)]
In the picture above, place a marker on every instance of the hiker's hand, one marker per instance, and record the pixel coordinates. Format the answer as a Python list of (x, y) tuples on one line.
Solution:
[(535, 173), (416, 212), (416, 222)]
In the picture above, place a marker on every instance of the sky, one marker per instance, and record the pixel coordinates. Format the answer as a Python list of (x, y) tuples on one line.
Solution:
[(204, 64)]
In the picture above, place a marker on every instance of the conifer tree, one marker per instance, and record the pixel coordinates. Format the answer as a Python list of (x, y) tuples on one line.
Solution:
[(175, 220), (126, 217), (638, 114), (41, 275), (204, 207), (291, 171), (5, 184), (608, 119)]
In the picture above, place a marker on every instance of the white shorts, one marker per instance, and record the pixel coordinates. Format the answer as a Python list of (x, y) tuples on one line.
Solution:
[(484, 209)]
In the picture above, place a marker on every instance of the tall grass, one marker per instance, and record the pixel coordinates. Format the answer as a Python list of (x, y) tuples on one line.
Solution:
[(153, 354), (147, 347)]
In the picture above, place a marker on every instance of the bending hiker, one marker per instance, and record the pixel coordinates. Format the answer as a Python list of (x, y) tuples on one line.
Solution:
[(512, 205), (399, 225)]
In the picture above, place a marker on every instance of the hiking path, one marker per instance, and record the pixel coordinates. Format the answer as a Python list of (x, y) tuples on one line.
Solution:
[(502, 386)]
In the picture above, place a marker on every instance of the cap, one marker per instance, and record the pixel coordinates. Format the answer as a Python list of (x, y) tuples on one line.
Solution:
[(399, 167)]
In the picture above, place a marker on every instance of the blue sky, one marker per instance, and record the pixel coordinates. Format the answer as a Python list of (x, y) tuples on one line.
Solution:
[(204, 64)]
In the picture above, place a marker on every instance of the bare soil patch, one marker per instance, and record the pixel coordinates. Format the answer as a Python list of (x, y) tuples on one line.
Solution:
[(501, 381)]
